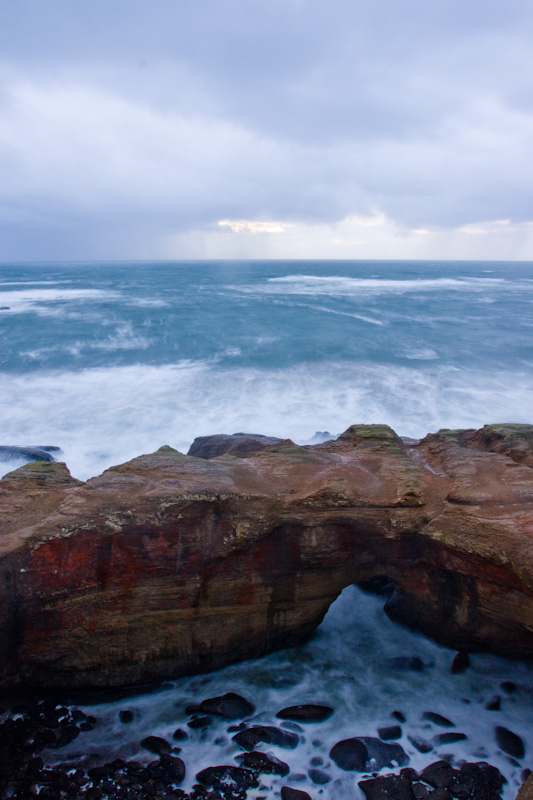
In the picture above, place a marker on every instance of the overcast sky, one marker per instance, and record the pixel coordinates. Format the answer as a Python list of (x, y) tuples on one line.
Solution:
[(266, 129)]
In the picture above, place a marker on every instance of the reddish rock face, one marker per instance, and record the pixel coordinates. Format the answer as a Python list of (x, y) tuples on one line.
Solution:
[(172, 564)]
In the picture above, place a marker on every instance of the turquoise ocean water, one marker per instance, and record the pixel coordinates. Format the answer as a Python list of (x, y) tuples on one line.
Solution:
[(110, 360)]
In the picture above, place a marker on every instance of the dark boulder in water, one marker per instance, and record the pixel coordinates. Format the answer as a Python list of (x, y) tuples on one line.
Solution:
[(287, 793), (366, 753), (460, 663), (390, 732), (437, 719), (509, 742), (473, 780), (421, 744), (237, 444), (388, 787), (478, 781), (449, 738), (13, 453), (319, 777), (155, 744), (350, 754), (250, 737), (261, 762), (172, 767), (305, 713), (382, 754), (229, 705), (494, 703), (228, 779)]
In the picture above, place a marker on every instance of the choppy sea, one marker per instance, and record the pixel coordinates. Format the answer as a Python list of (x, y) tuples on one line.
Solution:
[(111, 360)]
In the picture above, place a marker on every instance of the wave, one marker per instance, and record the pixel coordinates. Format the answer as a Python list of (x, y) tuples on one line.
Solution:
[(22, 301), (104, 416), (341, 286)]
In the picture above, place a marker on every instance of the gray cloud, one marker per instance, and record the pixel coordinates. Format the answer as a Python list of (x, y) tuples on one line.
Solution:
[(127, 121)]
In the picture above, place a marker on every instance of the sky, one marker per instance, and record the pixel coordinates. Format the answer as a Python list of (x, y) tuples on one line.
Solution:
[(171, 129)]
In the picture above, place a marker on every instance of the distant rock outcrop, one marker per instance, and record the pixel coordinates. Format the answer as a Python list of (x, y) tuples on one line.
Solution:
[(171, 564), (240, 445), (12, 452)]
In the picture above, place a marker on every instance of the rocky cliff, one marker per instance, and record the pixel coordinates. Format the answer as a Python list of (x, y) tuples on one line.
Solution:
[(172, 564)]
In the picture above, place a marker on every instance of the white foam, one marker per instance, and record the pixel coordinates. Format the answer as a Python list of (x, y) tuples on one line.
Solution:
[(105, 416), (341, 286), (22, 301)]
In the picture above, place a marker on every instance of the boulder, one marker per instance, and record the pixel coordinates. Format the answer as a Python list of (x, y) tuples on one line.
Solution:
[(229, 706), (305, 713), (240, 445), (171, 564)]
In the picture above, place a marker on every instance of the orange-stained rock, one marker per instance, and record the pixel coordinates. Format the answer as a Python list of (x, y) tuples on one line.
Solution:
[(526, 790), (172, 564)]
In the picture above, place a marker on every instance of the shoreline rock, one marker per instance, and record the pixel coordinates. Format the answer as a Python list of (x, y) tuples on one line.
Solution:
[(171, 564)]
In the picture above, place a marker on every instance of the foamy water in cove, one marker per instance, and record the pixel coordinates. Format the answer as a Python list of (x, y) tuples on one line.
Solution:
[(109, 361), (343, 666)]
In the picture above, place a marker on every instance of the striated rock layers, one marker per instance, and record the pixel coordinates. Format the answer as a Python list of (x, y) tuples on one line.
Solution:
[(172, 564)]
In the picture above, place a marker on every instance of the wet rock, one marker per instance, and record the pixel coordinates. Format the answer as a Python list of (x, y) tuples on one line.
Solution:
[(480, 781), (399, 715), (250, 737), (390, 732), (319, 777), (305, 713), (180, 735), (350, 754), (366, 753), (421, 791), (292, 726), (172, 767), (405, 663), (508, 686), (157, 745), (438, 774), (126, 716), (437, 719), (494, 704), (460, 663), (228, 778), (421, 744), (381, 754), (287, 793), (229, 705), (388, 787), (526, 790), (509, 742), (238, 444), (9, 452), (200, 722), (448, 738), (67, 734), (261, 762)]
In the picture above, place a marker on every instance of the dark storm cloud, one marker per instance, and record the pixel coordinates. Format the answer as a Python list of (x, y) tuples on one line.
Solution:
[(129, 120)]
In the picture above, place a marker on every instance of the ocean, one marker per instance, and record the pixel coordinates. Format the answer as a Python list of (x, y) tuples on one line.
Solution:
[(111, 360)]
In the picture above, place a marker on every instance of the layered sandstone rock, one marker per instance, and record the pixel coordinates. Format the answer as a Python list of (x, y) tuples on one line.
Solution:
[(172, 564)]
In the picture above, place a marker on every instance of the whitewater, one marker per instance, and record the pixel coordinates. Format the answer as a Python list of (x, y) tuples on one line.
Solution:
[(111, 360)]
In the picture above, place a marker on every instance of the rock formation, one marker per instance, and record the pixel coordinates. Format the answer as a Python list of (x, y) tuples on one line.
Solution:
[(172, 564)]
